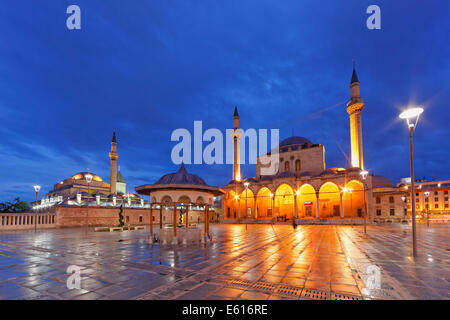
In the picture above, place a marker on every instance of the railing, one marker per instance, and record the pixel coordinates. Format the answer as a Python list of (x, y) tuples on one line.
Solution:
[(27, 221)]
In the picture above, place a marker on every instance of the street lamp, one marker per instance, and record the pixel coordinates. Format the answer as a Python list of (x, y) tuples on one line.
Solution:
[(427, 194), (88, 178), (411, 116), (364, 174), (36, 189), (246, 184)]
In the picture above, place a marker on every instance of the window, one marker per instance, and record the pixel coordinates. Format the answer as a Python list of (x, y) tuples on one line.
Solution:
[(426, 206), (436, 206), (436, 199), (286, 166), (417, 194), (417, 199), (378, 212), (435, 193), (127, 219), (446, 199), (392, 212), (446, 192), (298, 165), (446, 205), (140, 218), (426, 199), (378, 199), (391, 199), (164, 218)]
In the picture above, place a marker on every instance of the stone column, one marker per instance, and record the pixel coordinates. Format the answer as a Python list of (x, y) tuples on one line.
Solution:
[(256, 209), (295, 207), (174, 220), (342, 206), (317, 206), (187, 216), (151, 220), (160, 216), (239, 209)]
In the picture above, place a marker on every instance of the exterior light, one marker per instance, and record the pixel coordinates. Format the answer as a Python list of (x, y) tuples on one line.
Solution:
[(88, 177), (271, 195), (236, 197), (344, 189), (403, 198), (37, 188), (427, 194), (364, 174), (297, 192), (350, 190), (411, 116), (246, 184)]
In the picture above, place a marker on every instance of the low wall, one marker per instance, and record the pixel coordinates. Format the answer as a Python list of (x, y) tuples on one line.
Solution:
[(75, 216), (27, 221), (301, 221)]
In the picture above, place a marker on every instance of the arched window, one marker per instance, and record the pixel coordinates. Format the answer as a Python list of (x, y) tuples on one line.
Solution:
[(298, 165), (286, 166)]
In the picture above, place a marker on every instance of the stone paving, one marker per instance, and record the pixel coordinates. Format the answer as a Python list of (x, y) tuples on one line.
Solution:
[(264, 262)]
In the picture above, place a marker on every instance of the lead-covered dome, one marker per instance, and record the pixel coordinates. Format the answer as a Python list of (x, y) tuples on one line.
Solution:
[(294, 140), (181, 177)]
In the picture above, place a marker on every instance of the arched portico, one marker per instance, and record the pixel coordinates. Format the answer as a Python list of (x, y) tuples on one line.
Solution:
[(284, 203), (264, 203), (306, 201), (230, 205), (248, 199), (353, 197), (329, 201)]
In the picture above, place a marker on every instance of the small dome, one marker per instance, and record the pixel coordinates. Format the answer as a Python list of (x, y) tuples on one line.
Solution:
[(294, 141), (181, 177), (380, 182), (81, 176)]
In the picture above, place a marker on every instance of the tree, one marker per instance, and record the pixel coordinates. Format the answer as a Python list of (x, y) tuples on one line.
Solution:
[(17, 206), (121, 217)]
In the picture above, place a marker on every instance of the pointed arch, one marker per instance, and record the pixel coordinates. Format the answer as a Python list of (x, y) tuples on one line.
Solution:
[(329, 200), (230, 205), (284, 202), (353, 198), (247, 195), (306, 201), (264, 203)]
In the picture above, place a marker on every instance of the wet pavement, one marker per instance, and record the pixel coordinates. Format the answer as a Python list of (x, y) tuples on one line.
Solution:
[(264, 262)]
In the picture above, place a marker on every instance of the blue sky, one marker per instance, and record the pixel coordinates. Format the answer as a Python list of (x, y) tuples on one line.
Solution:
[(149, 67)]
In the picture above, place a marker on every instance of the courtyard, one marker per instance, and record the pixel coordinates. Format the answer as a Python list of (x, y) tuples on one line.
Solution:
[(257, 262)]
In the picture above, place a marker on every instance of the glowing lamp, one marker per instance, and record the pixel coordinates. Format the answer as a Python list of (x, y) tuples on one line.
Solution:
[(411, 116), (37, 188), (88, 177), (364, 174)]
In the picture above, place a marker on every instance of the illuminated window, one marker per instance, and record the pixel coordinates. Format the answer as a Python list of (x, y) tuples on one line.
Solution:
[(436, 199), (286, 166), (297, 165), (436, 206)]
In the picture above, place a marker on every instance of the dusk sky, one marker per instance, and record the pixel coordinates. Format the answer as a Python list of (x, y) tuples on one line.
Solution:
[(147, 68)]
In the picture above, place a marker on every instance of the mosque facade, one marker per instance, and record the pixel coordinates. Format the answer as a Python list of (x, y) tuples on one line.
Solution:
[(304, 189)]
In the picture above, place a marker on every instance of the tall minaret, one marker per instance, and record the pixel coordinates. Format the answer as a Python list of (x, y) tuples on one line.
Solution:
[(113, 156), (236, 136), (354, 108)]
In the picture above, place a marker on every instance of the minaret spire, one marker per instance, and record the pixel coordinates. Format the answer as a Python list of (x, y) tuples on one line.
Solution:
[(113, 164), (354, 109), (236, 136)]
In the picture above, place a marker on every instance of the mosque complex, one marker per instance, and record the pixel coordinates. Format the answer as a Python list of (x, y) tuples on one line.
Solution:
[(302, 189)]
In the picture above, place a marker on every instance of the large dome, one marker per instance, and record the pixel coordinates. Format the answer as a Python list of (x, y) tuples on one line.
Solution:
[(81, 176), (181, 177), (294, 140)]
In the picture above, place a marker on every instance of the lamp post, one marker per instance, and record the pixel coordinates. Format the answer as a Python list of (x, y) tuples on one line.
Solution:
[(411, 116), (36, 189), (364, 174), (427, 194), (246, 184), (88, 178)]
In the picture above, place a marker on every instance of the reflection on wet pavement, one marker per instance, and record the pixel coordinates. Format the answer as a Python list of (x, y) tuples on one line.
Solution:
[(264, 262)]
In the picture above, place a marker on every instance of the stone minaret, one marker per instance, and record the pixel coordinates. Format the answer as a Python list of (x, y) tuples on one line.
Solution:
[(113, 156), (354, 108), (236, 136)]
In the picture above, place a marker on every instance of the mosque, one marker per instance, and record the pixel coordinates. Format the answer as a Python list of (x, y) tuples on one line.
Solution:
[(304, 189)]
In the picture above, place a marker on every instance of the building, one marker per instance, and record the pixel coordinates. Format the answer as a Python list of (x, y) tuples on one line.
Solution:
[(303, 188), (186, 192)]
